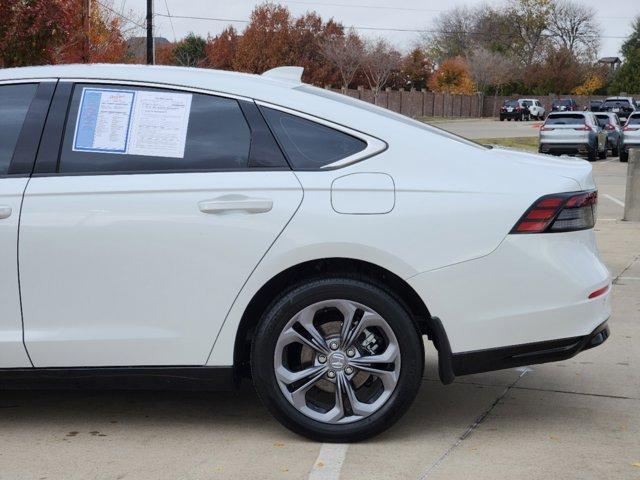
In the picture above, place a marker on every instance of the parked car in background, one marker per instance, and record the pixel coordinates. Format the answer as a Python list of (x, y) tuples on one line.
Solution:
[(536, 109), (612, 126), (564, 105), (514, 110), (595, 105), (573, 133), (192, 227), (631, 138), (622, 106)]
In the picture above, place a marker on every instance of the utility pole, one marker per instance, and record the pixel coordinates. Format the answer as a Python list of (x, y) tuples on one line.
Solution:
[(86, 25), (150, 50)]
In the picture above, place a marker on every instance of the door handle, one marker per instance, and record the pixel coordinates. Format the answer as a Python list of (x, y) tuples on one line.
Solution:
[(235, 203), (5, 211)]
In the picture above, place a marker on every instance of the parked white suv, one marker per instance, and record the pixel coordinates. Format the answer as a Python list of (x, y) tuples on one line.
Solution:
[(536, 109), (177, 227), (631, 136)]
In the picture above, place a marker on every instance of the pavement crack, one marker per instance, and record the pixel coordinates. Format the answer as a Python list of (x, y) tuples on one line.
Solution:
[(619, 397), (624, 270), (470, 429)]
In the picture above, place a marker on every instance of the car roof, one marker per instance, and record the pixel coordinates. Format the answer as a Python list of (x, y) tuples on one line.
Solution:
[(235, 83), (557, 114), (280, 87)]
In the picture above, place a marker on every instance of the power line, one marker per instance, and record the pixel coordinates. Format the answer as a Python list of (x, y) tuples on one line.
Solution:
[(388, 29), (377, 7), (124, 17), (170, 20)]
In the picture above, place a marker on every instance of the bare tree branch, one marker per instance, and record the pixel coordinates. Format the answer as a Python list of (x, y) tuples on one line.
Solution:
[(380, 59), (345, 52)]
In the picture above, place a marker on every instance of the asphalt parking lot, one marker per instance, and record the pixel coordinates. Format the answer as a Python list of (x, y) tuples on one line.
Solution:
[(574, 419), (490, 128)]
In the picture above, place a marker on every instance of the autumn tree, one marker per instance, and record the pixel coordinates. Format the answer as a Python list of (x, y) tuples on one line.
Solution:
[(456, 32), (379, 60), (560, 72), (490, 69), (345, 52), (416, 68), (452, 76), (307, 33), (573, 26), (265, 43), (221, 49), (35, 32), (531, 20)]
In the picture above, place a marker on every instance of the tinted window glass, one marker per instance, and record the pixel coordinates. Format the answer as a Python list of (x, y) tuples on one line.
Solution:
[(634, 120), (217, 137), (14, 104), (566, 119), (616, 103), (603, 120), (309, 145), (511, 103)]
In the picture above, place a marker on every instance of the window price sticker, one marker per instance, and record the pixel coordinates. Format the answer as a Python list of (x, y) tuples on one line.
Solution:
[(132, 122)]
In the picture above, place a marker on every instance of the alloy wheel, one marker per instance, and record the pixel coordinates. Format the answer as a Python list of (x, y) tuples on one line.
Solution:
[(337, 361)]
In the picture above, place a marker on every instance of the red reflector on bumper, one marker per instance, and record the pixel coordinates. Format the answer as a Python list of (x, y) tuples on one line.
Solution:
[(599, 292)]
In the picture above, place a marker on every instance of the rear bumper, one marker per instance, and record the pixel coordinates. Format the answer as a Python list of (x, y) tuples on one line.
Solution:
[(531, 289), (526, 354), (564, 147), (512, 114)]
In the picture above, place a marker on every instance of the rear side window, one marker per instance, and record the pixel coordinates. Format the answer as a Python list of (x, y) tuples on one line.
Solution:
[(616, 103), (634, 120), (133, 129), (14, 105), (309, 145), (566, 119)]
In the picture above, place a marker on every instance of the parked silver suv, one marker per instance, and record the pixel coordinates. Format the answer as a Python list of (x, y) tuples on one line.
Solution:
[(613, 128), (631, 137), (573, 133)]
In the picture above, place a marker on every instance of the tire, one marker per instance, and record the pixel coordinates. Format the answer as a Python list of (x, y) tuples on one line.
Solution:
[(502, 119), (276, 346), (592, 153), (624, 155), (603, 155), (615, 151), (509, 119)]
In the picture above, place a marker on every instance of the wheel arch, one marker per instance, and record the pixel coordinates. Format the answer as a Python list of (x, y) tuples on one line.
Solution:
[(390, 282)]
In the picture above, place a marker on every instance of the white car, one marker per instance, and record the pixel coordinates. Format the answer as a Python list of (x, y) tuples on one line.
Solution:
[(170, 227), (536, 109)]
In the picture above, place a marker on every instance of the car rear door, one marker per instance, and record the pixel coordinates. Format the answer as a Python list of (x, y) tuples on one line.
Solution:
[(138, 232), (23, 109)]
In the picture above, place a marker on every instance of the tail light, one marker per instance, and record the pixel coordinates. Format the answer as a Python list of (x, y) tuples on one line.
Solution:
[(560, 212), (629, 128), (609, 127), (584, 128), (545, 128)]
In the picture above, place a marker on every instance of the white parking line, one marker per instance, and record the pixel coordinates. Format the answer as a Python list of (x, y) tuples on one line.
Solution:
[(613, 199), (628, 278), (329, 462)]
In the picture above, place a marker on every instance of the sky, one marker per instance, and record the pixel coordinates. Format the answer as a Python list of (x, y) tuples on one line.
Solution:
[(383, 18)]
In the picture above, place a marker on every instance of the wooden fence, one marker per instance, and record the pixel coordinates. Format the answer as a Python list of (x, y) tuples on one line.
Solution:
[(420, 103)]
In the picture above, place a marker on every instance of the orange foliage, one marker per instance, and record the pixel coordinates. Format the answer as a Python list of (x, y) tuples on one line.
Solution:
[(265, 42), (221, 49), (452, 76)]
